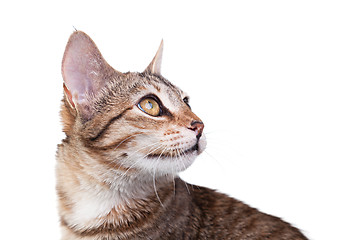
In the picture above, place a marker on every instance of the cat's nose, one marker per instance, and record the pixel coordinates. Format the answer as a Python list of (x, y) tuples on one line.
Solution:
[(197, 127)]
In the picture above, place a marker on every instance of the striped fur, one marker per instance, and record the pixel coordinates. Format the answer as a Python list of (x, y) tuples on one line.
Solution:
[(117, 169)]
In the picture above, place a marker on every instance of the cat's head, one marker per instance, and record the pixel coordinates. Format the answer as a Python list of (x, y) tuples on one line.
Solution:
[(130, 122)]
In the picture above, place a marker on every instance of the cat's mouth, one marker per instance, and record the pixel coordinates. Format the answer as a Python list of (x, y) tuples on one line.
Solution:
[(193, 149), (175, 153)]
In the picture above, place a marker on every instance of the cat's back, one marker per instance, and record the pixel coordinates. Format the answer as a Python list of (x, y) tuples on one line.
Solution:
[(223, 217)]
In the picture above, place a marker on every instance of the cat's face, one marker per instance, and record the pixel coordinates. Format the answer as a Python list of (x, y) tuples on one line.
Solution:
[(131, 122)]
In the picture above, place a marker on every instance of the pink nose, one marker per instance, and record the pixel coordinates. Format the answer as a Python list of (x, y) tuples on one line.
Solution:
[(198, 127)]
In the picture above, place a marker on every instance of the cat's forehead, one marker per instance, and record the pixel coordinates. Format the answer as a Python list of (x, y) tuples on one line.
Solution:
[(145, 81)]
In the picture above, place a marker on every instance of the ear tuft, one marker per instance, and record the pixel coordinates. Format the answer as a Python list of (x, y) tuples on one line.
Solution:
[(68, 96), (155, 65)]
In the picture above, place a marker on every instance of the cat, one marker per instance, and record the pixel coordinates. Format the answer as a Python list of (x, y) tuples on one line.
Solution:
[(128, 135)]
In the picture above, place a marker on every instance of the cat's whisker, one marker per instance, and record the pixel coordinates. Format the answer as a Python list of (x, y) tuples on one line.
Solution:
[(154, 147), (217, 148), (187, 188), (139, 149), (116, 158), (179, 153), (213, 145), (150, 152), (173, 174), (211, 156), (211, 132), (124, 174), (133, 153), (134, 135), (154, 178), (156, 193), (142, 148)]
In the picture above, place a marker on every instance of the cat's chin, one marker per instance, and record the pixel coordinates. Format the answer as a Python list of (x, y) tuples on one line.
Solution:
[(171, 165), (201, 144), (166, 163)]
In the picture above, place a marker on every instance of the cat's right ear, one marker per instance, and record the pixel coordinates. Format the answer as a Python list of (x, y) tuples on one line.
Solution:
[(155, 66), (85, 73)]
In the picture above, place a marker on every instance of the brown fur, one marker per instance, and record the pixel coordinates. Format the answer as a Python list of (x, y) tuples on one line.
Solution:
[(117, 168), (189, 212)]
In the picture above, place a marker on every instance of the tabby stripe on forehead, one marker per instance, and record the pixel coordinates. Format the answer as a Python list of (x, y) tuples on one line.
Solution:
[(102, 131)]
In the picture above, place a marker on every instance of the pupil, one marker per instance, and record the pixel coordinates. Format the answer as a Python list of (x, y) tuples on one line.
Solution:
[(148, 105)]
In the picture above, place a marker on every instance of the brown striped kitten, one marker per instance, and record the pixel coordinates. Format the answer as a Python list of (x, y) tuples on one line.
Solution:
[(128, 135)]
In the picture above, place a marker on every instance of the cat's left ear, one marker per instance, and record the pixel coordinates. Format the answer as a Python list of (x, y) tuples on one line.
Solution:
[(85, 73), (155, 65)]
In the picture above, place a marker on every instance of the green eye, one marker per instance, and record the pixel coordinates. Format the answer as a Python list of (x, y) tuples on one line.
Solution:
[(150, 106)]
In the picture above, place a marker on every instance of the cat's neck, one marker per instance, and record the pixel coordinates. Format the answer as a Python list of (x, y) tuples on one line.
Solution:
[(88, 200)]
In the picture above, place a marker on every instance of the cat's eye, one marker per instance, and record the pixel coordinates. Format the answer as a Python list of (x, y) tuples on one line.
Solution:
[(186, 101), (150, 106)]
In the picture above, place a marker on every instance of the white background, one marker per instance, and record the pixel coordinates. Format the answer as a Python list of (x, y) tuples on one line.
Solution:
[(276, 82)]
